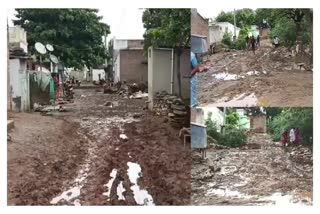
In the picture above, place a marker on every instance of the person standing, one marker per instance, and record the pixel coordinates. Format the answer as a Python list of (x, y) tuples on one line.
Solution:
[(292, 136), (194, 80), (258, 41), (253, 44), (276, 42), (284, 137)]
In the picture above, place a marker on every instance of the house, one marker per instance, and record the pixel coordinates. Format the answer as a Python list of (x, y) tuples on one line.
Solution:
[(199, 25), (199, 115), (218, 29), (129, 61), (199, 34), (18, 73)]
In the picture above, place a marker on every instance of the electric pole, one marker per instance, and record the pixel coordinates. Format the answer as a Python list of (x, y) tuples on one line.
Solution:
[(235, 26)]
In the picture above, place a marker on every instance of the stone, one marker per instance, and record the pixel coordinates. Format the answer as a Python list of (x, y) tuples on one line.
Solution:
[(180, 113)]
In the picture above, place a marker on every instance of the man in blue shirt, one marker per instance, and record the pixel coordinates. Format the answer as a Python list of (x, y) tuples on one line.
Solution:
[(194, 80)]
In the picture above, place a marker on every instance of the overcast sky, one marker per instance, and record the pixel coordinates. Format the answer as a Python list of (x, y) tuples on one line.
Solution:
[(212, 12), (124, 23)]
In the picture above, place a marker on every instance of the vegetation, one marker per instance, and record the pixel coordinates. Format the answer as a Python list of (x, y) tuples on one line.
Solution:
[(76, 34), (233, 136), (292, 26), (288, 118), (168, 28)]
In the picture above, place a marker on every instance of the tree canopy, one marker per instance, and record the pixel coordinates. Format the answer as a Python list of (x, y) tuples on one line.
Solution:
[(167, 27), (76, 34)]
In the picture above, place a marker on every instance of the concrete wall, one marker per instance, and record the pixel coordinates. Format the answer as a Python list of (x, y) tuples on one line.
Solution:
[(78, 75), (120, 44), (159, 72), (95, 74), (116, 67), (258, 123), (19, 84), (132, 68), (217, 30), (135, 43), (18, 38), (199, 25)]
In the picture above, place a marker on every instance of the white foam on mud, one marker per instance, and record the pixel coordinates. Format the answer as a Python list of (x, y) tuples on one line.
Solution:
[(281, 199), (226, 76), (239, 101), (80, 180), (142, 197), (120, 191), (67, 195), (123, 137), (226, 193), (113, 175), (227, 170), (250, 73)]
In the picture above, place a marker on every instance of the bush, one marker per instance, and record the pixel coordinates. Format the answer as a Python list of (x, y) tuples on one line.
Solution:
[(233, 138), (301, 118), (227, 39), (285, 29), (212, 128)]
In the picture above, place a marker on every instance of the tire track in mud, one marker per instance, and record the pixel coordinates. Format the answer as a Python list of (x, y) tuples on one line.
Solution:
[(121, 137)]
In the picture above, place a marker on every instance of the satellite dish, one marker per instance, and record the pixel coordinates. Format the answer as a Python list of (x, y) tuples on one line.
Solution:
[(54, 59), (49, 47), (40, 48)]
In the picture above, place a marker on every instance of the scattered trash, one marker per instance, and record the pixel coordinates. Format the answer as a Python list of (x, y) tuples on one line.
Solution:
[(138, 95)]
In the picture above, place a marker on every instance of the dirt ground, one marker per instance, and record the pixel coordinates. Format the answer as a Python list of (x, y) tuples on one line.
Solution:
[(271, 77), (260, 173), (117, 154)]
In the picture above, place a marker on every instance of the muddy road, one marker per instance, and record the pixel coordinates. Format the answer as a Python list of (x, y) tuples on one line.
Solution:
[(271, 77), (260, 173), (106, 149)]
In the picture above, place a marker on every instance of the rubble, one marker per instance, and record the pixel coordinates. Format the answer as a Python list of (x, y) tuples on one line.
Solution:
[(165, 104)]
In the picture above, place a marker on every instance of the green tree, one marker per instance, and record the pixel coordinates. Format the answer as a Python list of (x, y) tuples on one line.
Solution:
[(232, 118), (168, 28), (264, 14), (244, 17), (76, 34), (297, 16), (301, 118)]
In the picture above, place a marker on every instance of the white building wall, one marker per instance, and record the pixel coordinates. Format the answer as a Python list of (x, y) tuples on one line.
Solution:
[(119, 44), (217, 31), (19, 83), (159, 72), (217, 115), (95, 74), (116, 68), (18, 36)]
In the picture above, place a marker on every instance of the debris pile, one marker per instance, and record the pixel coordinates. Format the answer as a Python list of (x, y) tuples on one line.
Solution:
[(172, 106), (301, 154)]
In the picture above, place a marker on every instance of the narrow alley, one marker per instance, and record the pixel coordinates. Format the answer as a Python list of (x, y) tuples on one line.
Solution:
[(104, 150)]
